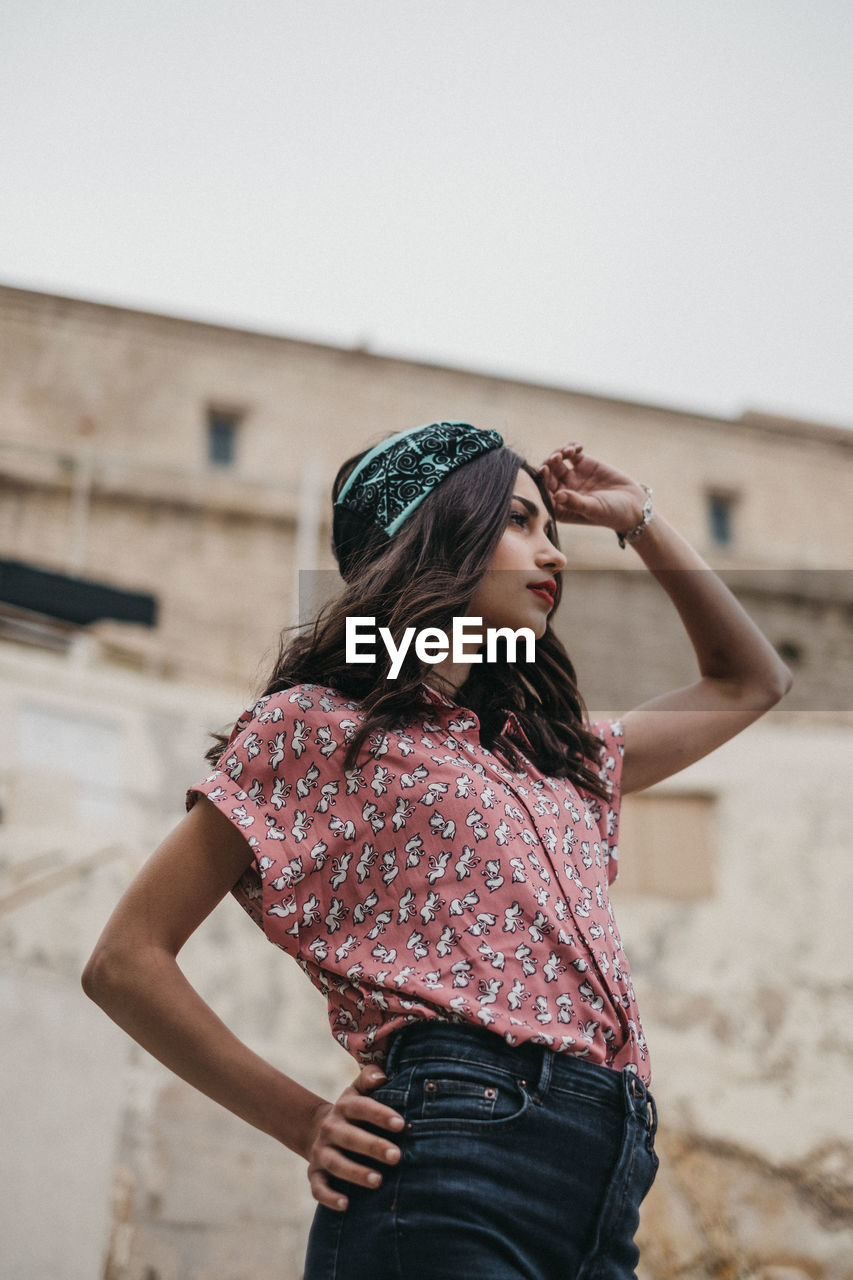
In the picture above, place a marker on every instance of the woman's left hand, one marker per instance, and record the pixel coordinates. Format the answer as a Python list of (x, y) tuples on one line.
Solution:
[(584, 491)]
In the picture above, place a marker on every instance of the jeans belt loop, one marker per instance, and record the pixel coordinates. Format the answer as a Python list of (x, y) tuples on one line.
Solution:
[(394, 1053), (543, 1084), (641, 1102), (635, 1094)]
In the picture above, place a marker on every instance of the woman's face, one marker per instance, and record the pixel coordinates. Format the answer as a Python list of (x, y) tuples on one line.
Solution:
[(525, 557)]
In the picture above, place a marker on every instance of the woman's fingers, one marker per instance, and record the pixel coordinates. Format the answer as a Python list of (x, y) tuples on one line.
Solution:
[(342, 1127), (344, 1133), (369, 1077), (330, 1158), (356, 1103), (574, 506), (371, 1112), (341, 1135), (564, 457), (558, 466), (323, 1193), (341, 1166)]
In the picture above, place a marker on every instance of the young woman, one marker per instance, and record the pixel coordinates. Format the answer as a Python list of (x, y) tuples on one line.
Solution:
[(434, 848)]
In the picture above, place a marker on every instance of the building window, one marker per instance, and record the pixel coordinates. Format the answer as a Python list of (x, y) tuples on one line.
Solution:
[(222, 427), (720, 518), (790, 651), (668, 845)]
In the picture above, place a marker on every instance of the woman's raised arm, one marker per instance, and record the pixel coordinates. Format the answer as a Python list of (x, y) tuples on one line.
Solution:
[(134, 976), (741, 675)]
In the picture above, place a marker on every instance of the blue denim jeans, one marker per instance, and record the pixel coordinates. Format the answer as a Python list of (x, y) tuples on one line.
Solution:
[(518, 1164)]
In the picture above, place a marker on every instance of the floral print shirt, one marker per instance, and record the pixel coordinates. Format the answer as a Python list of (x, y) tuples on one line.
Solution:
[(432, 881)]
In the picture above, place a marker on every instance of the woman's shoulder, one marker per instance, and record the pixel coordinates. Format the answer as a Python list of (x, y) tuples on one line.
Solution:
[(609, 729), (298, 702)]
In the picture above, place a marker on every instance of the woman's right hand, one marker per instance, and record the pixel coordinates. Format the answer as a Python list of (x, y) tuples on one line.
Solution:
[(337, 1131)]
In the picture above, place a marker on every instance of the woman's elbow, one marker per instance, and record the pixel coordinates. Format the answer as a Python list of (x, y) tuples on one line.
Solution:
[(106, 974), (762, 692), (93, 977), (784, 682), (779, 684)]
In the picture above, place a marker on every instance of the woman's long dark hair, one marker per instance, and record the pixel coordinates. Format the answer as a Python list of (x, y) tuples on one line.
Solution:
[(425, 576)]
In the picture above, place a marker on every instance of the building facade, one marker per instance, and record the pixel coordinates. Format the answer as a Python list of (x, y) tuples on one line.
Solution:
[(164, 507)]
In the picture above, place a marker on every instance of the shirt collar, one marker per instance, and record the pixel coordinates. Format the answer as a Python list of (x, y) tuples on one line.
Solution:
[(511, 726), (514, 729), (436, 698)]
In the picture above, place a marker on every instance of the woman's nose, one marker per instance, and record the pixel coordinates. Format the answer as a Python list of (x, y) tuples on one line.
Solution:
[(551, 557)]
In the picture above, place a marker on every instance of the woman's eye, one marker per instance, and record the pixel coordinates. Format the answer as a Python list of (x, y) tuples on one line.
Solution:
[(521, 516)]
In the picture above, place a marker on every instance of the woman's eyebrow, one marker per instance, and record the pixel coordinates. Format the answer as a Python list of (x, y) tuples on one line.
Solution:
[(527, 504)]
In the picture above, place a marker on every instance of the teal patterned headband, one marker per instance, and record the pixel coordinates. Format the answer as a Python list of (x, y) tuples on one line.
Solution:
[(394, 477)]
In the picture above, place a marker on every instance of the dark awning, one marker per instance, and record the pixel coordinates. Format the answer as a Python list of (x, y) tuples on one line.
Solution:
[(77, 600)]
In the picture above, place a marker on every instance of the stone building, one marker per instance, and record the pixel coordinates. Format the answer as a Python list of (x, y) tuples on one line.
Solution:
[(162, 485)]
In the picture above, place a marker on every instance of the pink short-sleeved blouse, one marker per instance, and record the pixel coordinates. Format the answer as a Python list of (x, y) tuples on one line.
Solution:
[(432, 881)]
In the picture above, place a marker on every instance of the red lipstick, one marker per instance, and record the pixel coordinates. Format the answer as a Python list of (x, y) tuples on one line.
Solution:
[(546, 589)]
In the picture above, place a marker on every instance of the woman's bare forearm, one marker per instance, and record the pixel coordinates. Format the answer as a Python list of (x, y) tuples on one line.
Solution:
[(149, 997), (133, 974), (727, 643)]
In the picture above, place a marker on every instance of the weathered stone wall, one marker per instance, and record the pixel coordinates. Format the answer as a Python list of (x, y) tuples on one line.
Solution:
[(745, 993), (105, 1154), (627, 643)]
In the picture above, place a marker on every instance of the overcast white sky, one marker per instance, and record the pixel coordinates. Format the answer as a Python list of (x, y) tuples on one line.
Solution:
[(649, 198)]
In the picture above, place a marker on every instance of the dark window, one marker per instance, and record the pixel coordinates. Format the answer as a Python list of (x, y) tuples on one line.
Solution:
[(720, 507), (790, 651), (222, 438)]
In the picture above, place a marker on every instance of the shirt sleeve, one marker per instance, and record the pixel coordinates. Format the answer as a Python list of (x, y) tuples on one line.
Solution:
[(268, 765), (610, 760)]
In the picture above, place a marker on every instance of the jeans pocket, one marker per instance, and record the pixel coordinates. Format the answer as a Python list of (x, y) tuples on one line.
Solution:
[(464, 1096), (393, 1092)]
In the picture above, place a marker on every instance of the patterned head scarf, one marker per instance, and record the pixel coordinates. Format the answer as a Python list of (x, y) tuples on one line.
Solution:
[(393, 478)]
